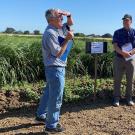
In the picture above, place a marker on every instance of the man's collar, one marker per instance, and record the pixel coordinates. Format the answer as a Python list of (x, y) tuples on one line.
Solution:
[(127, 29)]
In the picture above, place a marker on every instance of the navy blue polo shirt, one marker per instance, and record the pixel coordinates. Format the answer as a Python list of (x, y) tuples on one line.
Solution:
[(123, 36)]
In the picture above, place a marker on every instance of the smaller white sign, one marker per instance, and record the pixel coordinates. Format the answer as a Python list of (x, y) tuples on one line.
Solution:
[(97, 47), (127, 47)]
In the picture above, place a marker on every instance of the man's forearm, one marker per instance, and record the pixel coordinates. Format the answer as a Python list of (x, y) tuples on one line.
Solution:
[(117, 49), (63, 48), (125, 54), (68, 37)]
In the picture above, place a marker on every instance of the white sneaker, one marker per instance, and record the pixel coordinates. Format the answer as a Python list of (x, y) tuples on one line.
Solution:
[(130, 103), (116, 103)]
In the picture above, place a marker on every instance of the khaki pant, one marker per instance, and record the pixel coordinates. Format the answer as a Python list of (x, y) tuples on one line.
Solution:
[(120, 67)]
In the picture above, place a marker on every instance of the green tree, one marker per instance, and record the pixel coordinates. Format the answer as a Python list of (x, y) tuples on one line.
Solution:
[(10, 30), (36, 32), (26, 32)]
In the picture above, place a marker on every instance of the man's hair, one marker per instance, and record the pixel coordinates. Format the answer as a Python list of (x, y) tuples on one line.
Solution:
[(50, 13)]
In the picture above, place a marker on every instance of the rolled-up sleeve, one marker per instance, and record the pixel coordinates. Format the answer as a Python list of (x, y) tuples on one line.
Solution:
[(115, 37), (53, 44)]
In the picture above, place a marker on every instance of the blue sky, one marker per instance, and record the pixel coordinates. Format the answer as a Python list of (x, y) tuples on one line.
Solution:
[(90, 16)]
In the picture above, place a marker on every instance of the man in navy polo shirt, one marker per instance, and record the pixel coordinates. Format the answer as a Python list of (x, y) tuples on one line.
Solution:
[(124, 61)]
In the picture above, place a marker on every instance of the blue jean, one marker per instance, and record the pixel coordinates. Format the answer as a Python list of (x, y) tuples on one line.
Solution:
[(51, 100)]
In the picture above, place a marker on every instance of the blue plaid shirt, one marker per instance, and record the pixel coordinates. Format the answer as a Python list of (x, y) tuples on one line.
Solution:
[(123, 36)]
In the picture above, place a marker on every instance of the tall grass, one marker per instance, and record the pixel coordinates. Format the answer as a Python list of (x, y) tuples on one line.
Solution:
[(21, 59)]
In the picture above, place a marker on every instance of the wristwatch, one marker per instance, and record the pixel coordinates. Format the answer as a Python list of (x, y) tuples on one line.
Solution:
[(69, 15)]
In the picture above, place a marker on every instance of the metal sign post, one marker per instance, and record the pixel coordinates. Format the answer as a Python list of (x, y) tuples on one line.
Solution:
[(96, 48), (95, 79)]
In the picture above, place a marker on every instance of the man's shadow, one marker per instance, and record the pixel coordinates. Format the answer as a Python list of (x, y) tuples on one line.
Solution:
[(23, 111), (7, 129)]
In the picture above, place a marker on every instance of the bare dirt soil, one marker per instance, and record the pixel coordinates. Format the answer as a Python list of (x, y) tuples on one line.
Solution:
[(82, 118)]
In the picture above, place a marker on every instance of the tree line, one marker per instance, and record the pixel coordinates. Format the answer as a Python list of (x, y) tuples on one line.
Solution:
[(10, 30), (107, 35)]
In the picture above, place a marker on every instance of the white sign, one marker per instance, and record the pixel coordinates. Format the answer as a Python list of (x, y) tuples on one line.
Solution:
[(97, 47)]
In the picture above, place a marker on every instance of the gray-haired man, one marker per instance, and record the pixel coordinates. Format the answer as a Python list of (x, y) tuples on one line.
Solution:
[(51, 100)]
